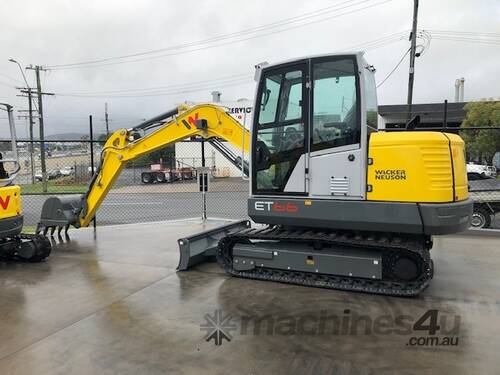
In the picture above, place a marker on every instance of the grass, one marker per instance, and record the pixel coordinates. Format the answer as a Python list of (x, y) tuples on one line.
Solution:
[(37, 188), (29, 229)]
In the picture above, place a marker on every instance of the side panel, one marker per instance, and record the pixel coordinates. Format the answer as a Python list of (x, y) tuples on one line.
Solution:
[(419, 218), (11, 226), (337, 214), (338, 175), (459, 167), (10, 201), (410, 167)]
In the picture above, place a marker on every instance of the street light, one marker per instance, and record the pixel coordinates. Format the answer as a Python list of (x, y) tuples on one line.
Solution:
[(31, 120), (22, 71)]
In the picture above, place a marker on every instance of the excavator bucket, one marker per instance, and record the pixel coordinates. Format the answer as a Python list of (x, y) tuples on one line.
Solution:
[(202, 247), (60, 212)]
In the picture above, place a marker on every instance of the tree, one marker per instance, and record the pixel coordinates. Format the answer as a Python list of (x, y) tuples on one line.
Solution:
[(481, 145)]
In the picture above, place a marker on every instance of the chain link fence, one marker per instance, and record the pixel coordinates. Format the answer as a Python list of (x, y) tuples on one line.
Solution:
[(160, 186), (163, 185)]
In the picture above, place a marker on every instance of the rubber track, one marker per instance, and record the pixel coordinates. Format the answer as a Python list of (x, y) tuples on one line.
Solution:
[(390, 244), (42, 244), (44, 247)]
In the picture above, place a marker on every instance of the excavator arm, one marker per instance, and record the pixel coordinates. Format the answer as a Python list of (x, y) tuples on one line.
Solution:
[(207, 121)]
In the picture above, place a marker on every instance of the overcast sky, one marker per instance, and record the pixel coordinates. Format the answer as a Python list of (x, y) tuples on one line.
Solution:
[(54, 32)]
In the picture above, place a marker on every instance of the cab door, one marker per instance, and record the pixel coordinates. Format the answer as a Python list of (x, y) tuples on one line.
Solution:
[(337, 152), (280, 131)]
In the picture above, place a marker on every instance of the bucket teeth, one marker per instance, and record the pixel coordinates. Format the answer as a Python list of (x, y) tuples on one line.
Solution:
[(51, 230)]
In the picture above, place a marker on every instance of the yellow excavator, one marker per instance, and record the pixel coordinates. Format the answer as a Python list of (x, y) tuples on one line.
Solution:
[(343, 204), (15, 245)]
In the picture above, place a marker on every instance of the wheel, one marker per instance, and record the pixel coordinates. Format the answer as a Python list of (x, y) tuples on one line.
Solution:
[(481, 218), (147, 178), (406, 269), (160, 177)]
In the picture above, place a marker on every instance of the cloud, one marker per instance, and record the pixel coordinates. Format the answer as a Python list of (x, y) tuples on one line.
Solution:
[(58, 32)]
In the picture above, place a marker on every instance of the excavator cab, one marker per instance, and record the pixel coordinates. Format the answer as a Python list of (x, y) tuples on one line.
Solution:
[(309, 120)]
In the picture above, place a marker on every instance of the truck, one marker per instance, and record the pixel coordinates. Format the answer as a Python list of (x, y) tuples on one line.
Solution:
[(485, 170), (160, 173)]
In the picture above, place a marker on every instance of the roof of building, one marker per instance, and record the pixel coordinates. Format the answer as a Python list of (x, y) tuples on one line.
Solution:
[(428, 112)]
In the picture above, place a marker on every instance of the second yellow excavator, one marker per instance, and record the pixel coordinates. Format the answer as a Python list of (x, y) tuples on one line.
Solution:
[(345, 206)]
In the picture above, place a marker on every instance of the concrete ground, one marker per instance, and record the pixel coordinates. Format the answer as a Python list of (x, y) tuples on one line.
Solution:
[(113, 304)]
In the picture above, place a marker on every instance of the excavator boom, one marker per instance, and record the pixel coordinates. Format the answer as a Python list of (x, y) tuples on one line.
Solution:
[(206, 121)]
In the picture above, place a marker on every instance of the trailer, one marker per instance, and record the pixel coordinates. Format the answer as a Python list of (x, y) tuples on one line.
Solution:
[(485, 193), (161, 174), (486, 206)]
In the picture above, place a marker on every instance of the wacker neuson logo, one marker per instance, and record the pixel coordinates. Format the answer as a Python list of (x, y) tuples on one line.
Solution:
[(390, 174), (432, 328)]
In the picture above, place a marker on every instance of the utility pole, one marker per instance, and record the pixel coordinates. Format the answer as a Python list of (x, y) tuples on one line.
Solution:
[(106, 117), (37, 69), (412, 57), (28, 94), (30, 114)]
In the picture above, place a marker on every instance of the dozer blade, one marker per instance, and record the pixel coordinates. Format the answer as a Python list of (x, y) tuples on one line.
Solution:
[(201, 247), (60, 212)]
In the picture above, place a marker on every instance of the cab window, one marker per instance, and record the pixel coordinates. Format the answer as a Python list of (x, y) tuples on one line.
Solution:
[(335, 114), (280, 133)]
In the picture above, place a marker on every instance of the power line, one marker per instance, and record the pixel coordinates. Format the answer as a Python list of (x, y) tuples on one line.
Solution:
[(172, 86), (395, 67), (110, 61), (158, 92), (241, 78), (212, 39), (467, 40), (233, 80), (464, 36), (12, 79), (7, 84), (433, 31), (166, 93), (378, 42), (89, 64)]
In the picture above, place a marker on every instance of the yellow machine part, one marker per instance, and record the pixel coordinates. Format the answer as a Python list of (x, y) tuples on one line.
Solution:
[(459, 167), (119, 149), (416, 167), (10, 201)]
